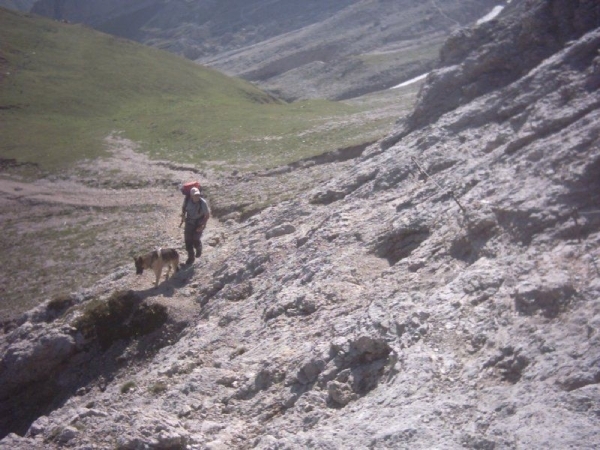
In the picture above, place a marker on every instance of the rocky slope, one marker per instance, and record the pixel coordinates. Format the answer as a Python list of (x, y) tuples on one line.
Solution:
[(441, 291), (368, 46), (313, 49)]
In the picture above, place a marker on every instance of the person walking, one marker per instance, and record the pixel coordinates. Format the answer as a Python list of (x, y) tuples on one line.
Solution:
[(196, 213)]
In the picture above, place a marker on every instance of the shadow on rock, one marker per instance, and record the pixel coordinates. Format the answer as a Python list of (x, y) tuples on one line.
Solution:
[(44, 366), (168, 287), (354, 370)]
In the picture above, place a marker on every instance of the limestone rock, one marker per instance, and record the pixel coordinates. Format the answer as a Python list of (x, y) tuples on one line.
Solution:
[(458, 309)]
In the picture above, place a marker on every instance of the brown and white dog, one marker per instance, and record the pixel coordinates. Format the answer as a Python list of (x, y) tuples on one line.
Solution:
[(156, 260)]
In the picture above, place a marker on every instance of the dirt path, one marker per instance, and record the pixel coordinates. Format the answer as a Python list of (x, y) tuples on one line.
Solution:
[(64, 234)]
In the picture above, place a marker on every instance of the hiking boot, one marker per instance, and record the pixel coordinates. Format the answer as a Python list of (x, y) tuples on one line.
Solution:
[(198, 253), (190, 260)]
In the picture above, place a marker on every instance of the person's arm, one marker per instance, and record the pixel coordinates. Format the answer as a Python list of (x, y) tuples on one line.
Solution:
[(183, 211), (183, 205), (205, 220), (205, 216)]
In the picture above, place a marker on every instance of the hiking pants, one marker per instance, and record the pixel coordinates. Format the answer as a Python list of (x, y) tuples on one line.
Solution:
[(192, 238)]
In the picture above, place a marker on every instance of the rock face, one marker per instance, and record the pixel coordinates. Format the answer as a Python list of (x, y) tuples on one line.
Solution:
[(442, 291), (331, 49), (479, 60)]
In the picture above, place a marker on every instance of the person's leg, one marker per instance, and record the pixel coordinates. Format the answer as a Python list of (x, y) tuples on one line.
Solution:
[(197, 242), (189, 247), (188, 237), (198, 247)]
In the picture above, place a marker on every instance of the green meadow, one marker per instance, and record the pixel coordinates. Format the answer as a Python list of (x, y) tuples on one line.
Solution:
[(65, 87)]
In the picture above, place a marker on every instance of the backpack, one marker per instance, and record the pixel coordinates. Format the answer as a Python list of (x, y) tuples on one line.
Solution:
[(185, 190), (187, 187)]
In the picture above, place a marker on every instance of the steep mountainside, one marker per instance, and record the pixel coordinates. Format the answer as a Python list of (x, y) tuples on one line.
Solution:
[(442, 290), (311, 49), (530, 33)]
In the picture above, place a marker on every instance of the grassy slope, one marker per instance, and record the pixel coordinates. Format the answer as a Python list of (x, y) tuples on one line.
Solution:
[(63, 88)]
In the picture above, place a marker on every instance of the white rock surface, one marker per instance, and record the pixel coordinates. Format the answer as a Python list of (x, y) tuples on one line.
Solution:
[(385, 316)]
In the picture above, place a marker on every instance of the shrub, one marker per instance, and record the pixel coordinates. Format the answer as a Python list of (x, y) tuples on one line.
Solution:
[(60, 303), (127, 387), (122, 316), (158, 388)]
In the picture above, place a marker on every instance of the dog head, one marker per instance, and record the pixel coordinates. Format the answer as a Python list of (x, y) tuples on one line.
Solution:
[(139, 265)]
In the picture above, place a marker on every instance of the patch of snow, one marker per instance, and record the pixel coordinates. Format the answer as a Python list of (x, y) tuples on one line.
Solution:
[(491, 15), (411, 81)]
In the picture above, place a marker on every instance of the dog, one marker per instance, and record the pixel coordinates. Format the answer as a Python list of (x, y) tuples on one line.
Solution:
[(156, 260)]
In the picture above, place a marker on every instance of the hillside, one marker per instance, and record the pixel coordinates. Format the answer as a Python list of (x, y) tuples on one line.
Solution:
[(71, 101), (332, 49), (64, 88), (439, 289)]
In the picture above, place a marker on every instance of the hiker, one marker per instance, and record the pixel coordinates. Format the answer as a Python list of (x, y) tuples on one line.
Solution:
[(196, 213)]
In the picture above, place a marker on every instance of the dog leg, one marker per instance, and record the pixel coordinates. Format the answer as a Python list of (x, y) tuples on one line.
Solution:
[(157, 272)]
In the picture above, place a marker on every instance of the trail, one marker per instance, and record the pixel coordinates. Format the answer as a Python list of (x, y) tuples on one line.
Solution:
[(436, 6)]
